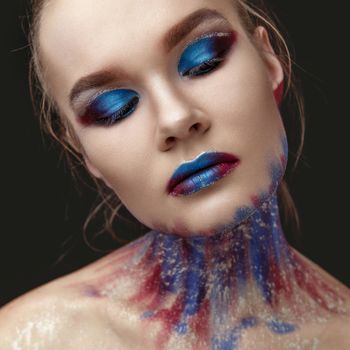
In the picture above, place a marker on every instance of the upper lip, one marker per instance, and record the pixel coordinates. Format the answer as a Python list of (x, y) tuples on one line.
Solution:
[(202, 161)]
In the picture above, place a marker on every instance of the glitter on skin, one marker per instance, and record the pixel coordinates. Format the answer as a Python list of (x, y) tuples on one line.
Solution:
[(203, 285)]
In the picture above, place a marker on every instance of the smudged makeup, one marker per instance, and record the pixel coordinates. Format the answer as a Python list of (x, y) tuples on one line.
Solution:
[(202, 56)]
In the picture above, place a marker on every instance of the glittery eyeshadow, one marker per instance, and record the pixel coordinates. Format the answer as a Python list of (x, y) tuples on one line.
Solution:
[(110, 106), (205, 49)]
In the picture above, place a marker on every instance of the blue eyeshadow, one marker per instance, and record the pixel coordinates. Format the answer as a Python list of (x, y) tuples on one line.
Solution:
[(205, 49), (205, 52), (110, 106)]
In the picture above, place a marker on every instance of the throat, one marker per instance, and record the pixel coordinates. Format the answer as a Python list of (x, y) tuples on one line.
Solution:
[(213, 288), (251, 261), (251, 254)]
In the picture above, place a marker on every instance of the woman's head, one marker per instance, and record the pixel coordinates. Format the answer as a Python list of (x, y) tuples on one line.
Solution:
[(136, 97)]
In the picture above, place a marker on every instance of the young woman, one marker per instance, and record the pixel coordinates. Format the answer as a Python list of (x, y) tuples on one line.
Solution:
[(174, 107)]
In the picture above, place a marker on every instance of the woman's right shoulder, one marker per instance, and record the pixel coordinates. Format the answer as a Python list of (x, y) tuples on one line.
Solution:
[(33, 320), (46, 317), (58, 314), (52, 316)]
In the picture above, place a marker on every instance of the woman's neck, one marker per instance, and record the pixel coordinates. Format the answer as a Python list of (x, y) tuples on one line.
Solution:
[(215, 287)]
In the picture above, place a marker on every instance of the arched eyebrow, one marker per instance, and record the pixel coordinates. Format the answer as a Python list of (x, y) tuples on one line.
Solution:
[(171, 38), (180, 30)]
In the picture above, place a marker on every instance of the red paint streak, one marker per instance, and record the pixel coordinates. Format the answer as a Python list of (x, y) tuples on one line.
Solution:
[(200, 325), (281, 285), (169, 318), (185, 250), (150, 289)]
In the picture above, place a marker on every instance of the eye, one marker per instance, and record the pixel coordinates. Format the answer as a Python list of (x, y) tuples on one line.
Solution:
[(205, 54), (110, 107)]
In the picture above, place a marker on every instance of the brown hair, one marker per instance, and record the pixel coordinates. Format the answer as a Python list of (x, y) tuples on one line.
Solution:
[(252, 13)]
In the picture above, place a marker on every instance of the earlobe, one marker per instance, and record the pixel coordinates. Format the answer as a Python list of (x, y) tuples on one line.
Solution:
[(274, 66)]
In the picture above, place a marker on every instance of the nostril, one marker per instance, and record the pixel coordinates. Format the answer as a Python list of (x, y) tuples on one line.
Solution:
[(170, 140), (194, 127)]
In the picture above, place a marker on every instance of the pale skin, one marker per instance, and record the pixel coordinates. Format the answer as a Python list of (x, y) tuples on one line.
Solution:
[(233, 109)]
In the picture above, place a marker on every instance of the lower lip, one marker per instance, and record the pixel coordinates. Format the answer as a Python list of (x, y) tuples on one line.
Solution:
[(203, 179)]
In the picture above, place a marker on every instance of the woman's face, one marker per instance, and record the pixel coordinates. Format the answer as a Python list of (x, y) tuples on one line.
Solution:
[(162, 91)]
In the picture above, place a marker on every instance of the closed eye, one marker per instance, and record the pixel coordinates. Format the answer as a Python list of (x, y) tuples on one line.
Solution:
[(200, 57), (110, 107), (204, 68), (205, 54)]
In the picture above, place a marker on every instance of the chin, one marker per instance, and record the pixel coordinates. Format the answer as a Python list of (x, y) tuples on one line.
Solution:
[(208, 212), (214, 210), (224, 205)]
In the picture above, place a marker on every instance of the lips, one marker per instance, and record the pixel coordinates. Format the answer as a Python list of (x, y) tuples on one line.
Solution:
[(201, 172)]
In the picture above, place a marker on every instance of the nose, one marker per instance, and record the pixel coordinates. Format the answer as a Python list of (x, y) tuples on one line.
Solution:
[(179, 117)]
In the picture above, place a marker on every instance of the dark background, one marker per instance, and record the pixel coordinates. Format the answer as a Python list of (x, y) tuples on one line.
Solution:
[(42, 212)]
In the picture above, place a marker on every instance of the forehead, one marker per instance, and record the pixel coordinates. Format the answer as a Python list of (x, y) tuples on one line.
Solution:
[(80, 36)]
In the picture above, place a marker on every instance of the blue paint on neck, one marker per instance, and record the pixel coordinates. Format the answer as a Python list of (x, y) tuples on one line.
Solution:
[(229, 341), (237, 256), (216, 270), (281, 327)]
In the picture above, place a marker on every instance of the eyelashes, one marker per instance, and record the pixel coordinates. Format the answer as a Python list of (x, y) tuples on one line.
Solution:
[(200, 57)]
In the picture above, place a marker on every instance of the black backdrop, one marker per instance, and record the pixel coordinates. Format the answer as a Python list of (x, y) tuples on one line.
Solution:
[(42, 212)]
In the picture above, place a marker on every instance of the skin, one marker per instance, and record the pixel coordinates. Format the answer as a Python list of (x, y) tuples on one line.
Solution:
[(103, 306), (169, 108)]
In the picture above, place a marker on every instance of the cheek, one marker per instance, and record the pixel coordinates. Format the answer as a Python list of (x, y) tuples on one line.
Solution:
[(117, 157), (246, 115), (243, 101)]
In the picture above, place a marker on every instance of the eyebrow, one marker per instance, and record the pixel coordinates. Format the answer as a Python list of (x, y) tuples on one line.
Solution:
[(172, 37)]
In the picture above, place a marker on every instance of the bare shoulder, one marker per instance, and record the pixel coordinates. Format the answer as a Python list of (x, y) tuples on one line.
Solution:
[(71, 313), (334, 334), (54, 316), (31, 321), (337, 334)]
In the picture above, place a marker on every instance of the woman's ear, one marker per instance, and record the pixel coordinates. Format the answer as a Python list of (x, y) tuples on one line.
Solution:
[(273, 64)]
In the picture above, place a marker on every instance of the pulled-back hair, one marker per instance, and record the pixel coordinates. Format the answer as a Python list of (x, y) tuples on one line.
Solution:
[(252, 13)]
